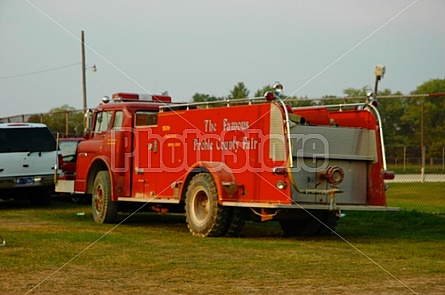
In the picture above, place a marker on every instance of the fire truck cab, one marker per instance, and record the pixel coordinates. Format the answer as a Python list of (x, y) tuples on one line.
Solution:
[(229, 161)]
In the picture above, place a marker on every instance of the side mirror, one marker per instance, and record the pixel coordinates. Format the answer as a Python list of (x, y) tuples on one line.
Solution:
[(88, 121)]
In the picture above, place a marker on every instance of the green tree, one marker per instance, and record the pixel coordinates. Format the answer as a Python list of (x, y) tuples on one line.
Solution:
[(239, 91), (425, 115), (64, 120), (295, 101), (260, 92), (390, 110), (327, 100), (199, 97), (431, 86), (401, 117), (356, 92)]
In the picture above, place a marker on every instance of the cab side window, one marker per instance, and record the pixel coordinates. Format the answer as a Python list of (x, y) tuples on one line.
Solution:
[(144, 118), (102, 121), (117, 123)]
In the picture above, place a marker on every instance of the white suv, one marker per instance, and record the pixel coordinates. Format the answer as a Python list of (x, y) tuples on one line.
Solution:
[(28, 159)]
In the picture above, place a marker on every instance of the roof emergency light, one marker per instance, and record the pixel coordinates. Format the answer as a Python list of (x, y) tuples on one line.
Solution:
[(269, 96), (155, 97), (123, 96), (278, 89), (276, 93)]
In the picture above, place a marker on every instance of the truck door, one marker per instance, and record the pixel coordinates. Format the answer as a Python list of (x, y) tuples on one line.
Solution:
[(119, 141), (113, 142), (146, 155), (90, 149)]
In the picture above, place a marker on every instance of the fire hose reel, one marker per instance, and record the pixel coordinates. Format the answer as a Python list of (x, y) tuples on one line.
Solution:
[(334, 175)]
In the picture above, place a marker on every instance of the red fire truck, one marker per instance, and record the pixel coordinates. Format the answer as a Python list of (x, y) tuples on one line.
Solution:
[(229, 161)]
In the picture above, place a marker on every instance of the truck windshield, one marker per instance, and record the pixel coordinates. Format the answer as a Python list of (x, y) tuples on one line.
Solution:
[(13, 140)]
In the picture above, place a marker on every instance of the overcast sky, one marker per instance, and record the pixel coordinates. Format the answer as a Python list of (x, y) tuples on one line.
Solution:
[(313, 48)]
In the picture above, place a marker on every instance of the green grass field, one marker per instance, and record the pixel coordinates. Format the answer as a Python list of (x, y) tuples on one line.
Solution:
[(423, 197), (415, 169), (55, 250)]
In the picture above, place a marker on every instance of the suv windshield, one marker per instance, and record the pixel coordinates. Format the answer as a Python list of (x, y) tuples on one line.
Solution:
[(13, 140)]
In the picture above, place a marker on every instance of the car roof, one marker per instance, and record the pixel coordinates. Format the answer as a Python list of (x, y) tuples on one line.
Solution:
[(22, 125), (71, 138)]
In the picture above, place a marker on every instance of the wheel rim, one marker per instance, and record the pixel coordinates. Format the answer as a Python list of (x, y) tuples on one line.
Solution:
[(200, 207), (98, 198)]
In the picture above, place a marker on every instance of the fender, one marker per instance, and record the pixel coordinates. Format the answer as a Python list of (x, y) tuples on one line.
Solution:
[(117, 181), (97, 164), (228, 188)]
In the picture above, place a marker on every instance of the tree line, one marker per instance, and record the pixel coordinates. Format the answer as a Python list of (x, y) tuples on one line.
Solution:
[(407, 121)]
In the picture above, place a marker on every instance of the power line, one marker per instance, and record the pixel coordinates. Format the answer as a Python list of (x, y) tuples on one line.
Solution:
[(39, 72)]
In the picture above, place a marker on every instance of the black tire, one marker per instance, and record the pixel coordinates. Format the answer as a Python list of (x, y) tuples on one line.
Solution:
[(104, 209), (305, 225), (292, 227), (330, 221), (76, 199), (80, 199), (204, 216), (43, 198), (236, 222)]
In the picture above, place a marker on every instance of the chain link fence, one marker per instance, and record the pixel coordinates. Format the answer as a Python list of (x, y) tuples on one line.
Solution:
[(408, 158), (69, 123), (420, 178)]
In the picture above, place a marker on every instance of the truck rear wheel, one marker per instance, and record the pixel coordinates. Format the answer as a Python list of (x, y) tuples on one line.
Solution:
[(236, 222), (330, 220), (304, 225), (104, 209), (292, 227), (317, 223), (204, 216)]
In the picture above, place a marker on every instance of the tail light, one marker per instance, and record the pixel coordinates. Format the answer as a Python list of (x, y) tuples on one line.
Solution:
[(59, 160), (388, 175), (280, 171)]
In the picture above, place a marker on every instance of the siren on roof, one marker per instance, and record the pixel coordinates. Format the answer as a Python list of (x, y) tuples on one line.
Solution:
[(123, 96)]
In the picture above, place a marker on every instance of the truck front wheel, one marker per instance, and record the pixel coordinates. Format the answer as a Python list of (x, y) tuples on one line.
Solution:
[(104, 209), (204, 216)]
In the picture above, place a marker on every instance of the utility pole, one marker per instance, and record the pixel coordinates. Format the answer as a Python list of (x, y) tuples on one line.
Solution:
[(84, 82), (422, 143)]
